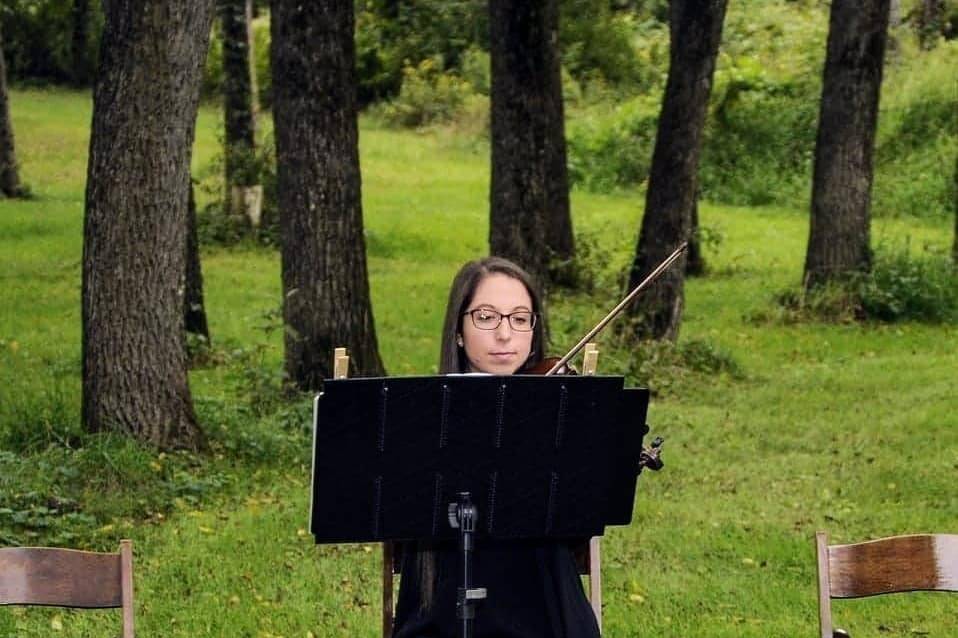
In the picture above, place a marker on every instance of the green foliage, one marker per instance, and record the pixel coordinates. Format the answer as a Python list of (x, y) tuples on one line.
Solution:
[(37, 418), (393, 37), (900, 287), (605, 45), (428, 95), (37, 39), (215, 226), (917, 140), (606, 150), (906, 287)]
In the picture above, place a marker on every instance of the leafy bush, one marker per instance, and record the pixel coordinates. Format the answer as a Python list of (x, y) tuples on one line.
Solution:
[(215, 226), (428, 95), (900, 287), (613, 149), (917, 139)]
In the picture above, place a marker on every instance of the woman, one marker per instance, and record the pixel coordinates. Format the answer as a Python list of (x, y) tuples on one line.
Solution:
[(493, 325)]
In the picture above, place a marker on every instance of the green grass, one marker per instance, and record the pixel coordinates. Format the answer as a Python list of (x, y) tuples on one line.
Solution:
[(848, 428)]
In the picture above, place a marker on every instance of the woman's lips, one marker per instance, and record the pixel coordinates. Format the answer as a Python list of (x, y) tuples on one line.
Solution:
[(502, 355)]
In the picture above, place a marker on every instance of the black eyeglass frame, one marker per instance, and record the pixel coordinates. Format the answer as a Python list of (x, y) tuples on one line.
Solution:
[(508, 316)]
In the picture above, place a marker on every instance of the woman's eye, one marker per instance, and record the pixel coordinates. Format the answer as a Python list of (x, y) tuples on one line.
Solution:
[(486, 315), (520, 320)]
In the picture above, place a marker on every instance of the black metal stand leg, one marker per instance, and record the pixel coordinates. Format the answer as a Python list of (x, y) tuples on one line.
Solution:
[(463, 516)]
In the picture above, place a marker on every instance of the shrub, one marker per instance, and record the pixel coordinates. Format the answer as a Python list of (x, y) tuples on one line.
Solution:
[(215, 226), (917, 137), (613, 149), (428, 95), (900, 287)]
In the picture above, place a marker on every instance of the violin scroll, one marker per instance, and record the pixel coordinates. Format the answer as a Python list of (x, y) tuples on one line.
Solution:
[(650, 456)]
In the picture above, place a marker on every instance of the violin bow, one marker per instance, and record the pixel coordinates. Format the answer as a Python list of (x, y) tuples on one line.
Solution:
[(622, 304)]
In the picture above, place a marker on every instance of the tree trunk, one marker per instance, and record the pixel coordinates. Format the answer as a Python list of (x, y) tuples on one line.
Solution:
[(9, 178), (530, 221), (144, 116), (326, 299), (838, 244), (194, 311), (80, 43), (238, 97), (695, 32)]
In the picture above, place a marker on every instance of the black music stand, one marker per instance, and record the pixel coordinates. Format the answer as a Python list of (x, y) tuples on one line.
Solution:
[(502, 457)]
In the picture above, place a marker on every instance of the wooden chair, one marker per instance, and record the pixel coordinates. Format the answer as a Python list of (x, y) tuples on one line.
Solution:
[(923, 562), (587, 556), (69, 578)]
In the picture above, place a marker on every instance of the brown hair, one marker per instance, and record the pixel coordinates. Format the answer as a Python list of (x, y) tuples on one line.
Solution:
[(452, 359)]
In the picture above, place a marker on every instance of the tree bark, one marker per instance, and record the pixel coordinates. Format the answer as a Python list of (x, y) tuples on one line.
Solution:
[(326, 300), (194, 310), (238, 92), (80, 43), (9, 177), (838, 243), (530, 221), (695, 32), (144, 115)]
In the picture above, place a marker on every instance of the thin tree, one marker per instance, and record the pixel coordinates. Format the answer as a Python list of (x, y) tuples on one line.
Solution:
[(838, 243), (326, 300), (239, 101), (9, 177), (695, 30), (144, 113), (194, 310), (530, 221)]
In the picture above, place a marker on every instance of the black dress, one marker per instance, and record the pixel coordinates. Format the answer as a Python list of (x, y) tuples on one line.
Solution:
[(534, 591)]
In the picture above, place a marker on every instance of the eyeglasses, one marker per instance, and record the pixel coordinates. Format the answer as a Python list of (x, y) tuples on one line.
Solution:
[(489, 319)]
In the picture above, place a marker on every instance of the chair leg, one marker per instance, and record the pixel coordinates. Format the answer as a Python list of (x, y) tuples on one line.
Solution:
[(595, 580), (824, 589), (126, 584)]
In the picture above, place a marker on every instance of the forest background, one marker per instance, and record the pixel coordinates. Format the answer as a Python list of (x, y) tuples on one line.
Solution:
[(780, 420)]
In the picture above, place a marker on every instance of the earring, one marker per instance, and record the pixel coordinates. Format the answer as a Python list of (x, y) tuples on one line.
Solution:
[(459, 340)]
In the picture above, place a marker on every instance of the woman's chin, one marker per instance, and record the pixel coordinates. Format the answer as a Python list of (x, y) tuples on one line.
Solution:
[(499, 367)]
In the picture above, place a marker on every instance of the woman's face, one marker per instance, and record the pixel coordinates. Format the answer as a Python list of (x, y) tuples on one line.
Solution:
[(502, 350)]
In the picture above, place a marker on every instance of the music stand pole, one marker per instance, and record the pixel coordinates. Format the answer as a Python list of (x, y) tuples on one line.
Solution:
[(463, 516)]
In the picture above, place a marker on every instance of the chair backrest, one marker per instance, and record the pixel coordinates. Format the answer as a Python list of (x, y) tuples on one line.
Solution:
[(921, 562), (69, 578)]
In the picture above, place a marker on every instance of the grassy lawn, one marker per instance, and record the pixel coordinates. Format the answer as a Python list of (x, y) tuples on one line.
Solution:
[(848, 428)]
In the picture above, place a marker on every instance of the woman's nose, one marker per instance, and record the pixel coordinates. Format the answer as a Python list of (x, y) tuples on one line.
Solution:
[(504, 331)]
